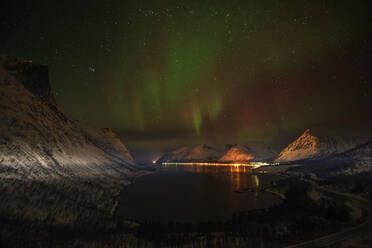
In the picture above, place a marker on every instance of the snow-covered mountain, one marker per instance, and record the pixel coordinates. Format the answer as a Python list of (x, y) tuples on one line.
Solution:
[(37, 139), (231, 153), (200, 153), (248, 152), (310, 146)]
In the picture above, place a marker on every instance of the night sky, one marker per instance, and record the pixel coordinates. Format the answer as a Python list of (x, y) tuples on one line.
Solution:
[(166, 73)]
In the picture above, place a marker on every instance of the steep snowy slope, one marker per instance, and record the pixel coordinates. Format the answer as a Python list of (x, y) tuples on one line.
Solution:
[(200, 153), (248, 152), (358, 159), (316, 147), (37, 140)]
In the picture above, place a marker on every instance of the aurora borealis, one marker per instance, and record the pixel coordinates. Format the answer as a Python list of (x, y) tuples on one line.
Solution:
[(207, 71)]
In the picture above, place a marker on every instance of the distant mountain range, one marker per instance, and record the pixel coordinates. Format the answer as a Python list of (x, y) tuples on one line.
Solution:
[(308, 147), (201, 153), (231, 153)]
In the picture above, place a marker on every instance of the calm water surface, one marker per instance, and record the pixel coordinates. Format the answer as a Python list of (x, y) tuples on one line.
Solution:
[(190, 193)]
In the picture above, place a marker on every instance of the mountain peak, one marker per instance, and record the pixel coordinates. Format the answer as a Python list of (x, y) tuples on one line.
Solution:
[(253, 151), (307, 132), (237, 154), (314, 147)]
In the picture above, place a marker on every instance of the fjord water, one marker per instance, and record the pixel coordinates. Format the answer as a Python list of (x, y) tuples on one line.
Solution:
[(191, 193)]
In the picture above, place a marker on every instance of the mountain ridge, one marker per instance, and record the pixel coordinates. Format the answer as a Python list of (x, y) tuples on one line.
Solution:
[(38, 139), (199, 153), (247, 152)]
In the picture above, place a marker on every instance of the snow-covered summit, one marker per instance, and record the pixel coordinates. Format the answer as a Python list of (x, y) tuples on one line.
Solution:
[(199, 153), (310, 146), (248, 152)]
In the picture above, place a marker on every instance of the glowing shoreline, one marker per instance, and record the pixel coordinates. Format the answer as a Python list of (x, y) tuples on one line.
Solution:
[(250, 164)]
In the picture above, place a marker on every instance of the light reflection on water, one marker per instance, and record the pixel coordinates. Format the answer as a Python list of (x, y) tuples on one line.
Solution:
[(240, 177), (190, 193)]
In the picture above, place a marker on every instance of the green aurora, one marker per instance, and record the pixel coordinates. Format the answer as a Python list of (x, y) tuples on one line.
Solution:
[(208, 71)]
